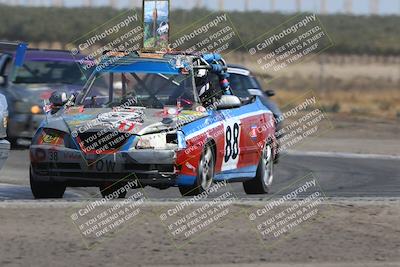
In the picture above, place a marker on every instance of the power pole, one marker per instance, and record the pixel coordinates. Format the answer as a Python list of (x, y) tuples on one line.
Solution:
[(221, 5), (133, 4), (324, 9), (199, 4), (114, 4), (272, 5), (348, 6), (58, 3), (88, 3), (298, 5), (374, 7), (246, 5)]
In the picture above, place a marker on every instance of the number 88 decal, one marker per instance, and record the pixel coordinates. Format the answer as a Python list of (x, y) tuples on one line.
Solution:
[(232, 138)]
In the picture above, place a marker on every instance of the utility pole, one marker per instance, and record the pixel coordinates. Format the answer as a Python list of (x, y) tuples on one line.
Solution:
[(114, 4), (199, 4), (272, 5), (221, 5), (298, 5), (58, 3), (348, 7), (246, 5), (133, 4), (324, 9), (374, 7), (88, 3)]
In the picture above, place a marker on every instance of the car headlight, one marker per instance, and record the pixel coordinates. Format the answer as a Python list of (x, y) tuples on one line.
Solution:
[(170, 140), (158, 140), (36, 109), (26, 108)]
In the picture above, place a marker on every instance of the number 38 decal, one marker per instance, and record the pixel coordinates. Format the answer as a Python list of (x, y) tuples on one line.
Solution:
[(232, 148)]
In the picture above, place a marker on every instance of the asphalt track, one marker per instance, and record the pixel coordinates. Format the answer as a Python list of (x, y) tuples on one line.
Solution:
[(340, 175)]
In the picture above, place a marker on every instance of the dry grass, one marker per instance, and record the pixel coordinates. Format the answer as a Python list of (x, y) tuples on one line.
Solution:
[(353, 85), (360, 103)]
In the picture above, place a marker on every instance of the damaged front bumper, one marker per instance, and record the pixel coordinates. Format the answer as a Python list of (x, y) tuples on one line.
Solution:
[(75, 168)]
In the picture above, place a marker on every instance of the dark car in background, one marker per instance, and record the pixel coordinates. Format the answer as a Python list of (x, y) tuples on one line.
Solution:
[(245, 85), (28, 84)]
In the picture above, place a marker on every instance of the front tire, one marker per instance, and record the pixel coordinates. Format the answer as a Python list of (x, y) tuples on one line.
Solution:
[(45, 189), (261, 184), (205, 174)]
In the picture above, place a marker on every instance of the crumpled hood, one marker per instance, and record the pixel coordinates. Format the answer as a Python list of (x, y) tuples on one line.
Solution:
[(135, 120)]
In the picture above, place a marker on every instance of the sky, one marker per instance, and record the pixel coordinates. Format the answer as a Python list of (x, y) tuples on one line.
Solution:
[(334, 6)]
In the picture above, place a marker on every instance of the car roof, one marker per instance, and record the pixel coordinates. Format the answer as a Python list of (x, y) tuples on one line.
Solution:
[(47, 54), (238, 69), (151, 62), (51, 55)]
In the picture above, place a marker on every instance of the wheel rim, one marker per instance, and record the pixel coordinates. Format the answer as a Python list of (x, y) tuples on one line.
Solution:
[(206, 169), (268, 165)]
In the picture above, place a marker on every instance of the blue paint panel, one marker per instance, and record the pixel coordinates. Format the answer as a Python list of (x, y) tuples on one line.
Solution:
[(245, 172), (228, 113), (128, 143), (20, 54), (144, 67), (185, 180)]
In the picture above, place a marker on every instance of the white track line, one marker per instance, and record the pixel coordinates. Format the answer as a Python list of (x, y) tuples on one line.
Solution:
[(340, 155)]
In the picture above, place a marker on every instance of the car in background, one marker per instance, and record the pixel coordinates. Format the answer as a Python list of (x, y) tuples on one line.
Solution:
[(27, 84), (4, 144), (245, 85)]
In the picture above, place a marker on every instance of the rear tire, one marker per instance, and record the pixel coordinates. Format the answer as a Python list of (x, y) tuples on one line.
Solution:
[(261, 184), (108, 189), (45, 189), (205, 174)]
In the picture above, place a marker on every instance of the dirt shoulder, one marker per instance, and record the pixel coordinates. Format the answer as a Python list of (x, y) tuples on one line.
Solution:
[(356, 135), (343, 233)]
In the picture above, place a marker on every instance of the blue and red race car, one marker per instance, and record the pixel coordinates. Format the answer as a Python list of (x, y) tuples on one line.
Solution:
[(168, 120)]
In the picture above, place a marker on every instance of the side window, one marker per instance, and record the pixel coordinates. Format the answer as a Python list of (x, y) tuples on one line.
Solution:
[(208, 89), (8, 67), (240, 84)]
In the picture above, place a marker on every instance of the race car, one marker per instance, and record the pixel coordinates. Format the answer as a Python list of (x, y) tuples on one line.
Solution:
[(169, 119), (31, 79)]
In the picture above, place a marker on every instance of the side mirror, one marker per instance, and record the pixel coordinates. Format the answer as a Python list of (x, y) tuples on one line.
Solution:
[(228, 101), (270, 93), (255, 92), (58, 99), (3, 80)]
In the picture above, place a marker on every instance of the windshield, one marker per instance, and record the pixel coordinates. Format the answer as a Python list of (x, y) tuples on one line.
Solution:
[(64, 72), (150, 90)]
